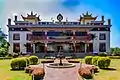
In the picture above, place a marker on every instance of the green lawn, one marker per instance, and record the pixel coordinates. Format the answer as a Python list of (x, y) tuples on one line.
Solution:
[(7, 74), (110, 74)]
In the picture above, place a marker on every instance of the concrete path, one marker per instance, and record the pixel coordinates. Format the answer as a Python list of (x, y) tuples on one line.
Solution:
[(62, 74)]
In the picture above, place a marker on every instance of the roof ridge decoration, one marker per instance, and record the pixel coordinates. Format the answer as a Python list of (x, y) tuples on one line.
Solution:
[(31, 16), (59, 17), (87, 16)]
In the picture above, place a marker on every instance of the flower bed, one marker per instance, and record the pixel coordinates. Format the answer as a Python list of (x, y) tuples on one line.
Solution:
[(87, 71), (38, 73), (29, 69)]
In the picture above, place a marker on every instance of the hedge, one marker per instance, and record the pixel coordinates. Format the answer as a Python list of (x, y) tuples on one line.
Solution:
[(18, 63), (88, 59), (33, 60), (104, 62), (95, 60)]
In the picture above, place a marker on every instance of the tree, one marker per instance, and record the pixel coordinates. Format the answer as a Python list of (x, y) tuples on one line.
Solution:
[(4, 46), (115, 51)]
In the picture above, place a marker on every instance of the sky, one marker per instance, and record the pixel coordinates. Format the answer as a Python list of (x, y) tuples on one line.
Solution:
[(70, 9)]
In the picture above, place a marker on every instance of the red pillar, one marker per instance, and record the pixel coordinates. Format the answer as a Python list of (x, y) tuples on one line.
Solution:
[(45, 50)]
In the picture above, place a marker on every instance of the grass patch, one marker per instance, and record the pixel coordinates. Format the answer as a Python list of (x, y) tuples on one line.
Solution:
[(7, 74), (112, 73)]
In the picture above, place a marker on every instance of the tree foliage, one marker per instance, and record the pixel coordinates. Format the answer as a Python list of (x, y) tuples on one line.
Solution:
[(4, 46), (115, 51)]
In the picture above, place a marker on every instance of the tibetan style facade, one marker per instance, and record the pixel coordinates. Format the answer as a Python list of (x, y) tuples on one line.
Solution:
[(86, 35)]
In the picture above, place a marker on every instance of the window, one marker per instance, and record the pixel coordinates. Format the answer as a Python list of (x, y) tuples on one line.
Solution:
[(28, 36), (102, 36), (102, 47), (16, 47), (16, 36)]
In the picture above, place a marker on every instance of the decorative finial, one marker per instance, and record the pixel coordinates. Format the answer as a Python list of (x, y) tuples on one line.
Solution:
[(52, 19), (87, 13), (91, 14), (66, 19), (83, 14), (36, 14), (31, 12), (59, 17)]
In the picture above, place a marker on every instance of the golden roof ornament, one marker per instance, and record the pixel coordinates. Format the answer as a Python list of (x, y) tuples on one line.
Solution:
[(31, 16)]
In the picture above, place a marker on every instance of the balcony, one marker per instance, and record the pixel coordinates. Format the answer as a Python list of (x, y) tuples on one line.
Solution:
[(60, 38), (82, 37)]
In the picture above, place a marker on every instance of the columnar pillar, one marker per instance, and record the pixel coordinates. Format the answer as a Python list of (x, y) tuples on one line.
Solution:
[(33, 47), (45, 49), (73, 35), (85, 47), (46, 35), (74, 47)]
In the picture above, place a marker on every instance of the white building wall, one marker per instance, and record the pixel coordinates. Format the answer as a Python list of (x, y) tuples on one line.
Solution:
[(96, 41), (22, 41)]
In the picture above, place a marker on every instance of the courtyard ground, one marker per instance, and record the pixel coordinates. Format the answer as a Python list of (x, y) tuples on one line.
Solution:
[(112, 74)]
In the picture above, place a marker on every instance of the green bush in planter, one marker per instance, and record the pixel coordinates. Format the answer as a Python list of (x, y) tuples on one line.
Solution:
[(95, 60), (18, 63), (33, 60), (88, 59), (104, 62), (27, 60), (103, 54)]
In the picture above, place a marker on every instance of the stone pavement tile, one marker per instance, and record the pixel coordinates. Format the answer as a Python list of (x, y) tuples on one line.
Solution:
[(62, 74)]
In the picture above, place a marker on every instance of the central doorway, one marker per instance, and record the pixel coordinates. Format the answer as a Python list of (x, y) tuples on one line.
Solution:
[(59, 48)]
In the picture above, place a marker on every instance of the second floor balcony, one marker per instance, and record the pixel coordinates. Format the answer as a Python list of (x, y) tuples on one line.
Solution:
[(52, 38)]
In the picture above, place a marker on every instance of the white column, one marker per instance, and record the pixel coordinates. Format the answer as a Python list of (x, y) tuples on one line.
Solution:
[(33, 48), (73, 34), (46, 34), (45, 50)]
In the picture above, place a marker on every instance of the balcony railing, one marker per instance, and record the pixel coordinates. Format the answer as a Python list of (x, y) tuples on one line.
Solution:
[(88, 37)]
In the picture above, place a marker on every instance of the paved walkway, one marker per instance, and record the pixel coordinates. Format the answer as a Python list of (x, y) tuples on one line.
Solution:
[(62, 74)]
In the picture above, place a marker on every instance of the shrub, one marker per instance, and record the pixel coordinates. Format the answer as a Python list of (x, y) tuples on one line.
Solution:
[(95, 60), (29, 69), (27, 60), (88, 59), (38, 73), (103, 54), (3, 52), (18, 63), (33, 60), (85, 73), (92, 68), (104, 62)]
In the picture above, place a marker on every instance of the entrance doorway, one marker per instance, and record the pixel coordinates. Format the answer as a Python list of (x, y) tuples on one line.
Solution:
[(39, 47), (59, 48)]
